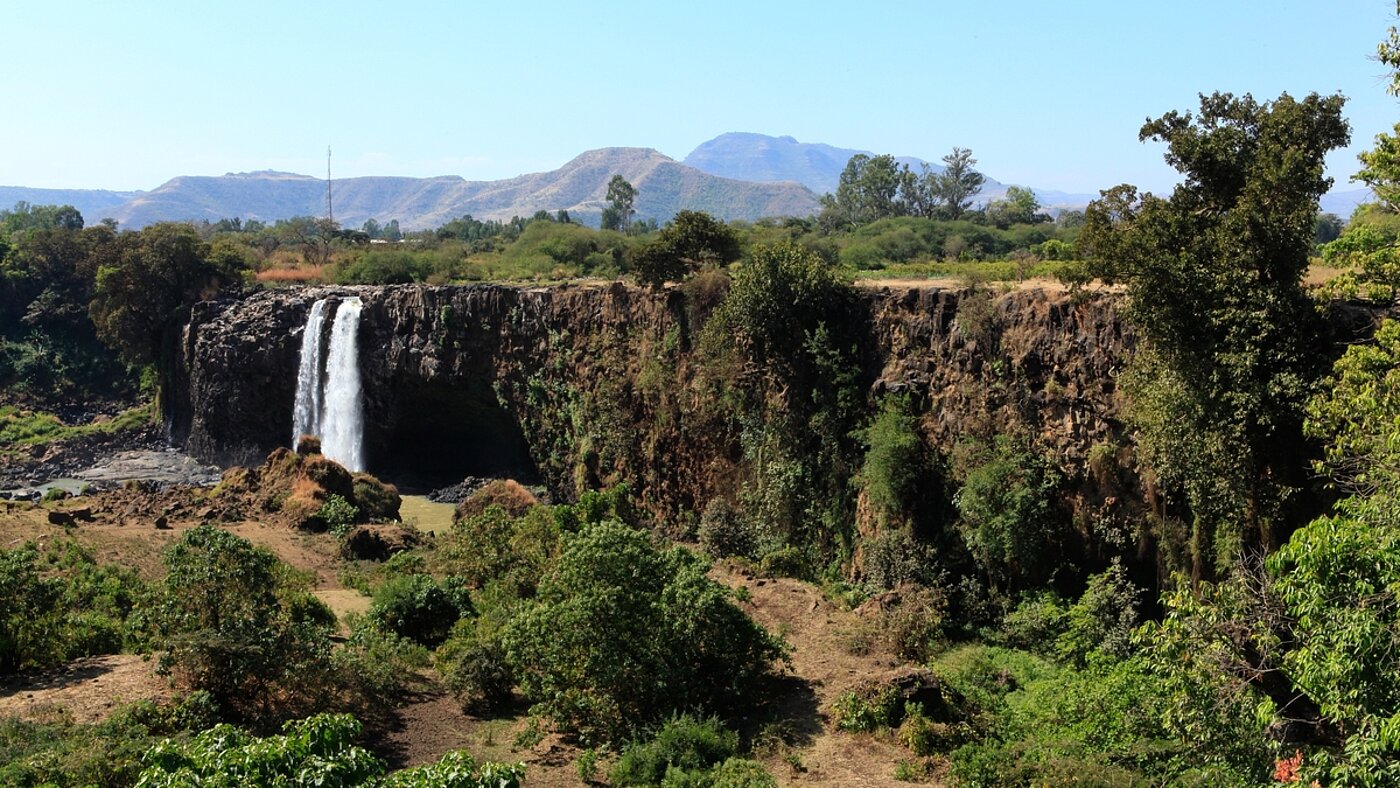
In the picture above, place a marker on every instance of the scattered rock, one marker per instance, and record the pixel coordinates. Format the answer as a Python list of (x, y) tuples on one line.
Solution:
[(162, 523), (62, 518)]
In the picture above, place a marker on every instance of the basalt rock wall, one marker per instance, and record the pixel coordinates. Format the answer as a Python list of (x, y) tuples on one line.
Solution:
[(591, 385)]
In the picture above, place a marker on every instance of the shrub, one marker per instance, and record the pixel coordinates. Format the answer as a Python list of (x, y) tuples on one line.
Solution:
[(231, 621), (476, 669), (1036, 623), (1008, 518), (1102, 620), (614, 607), (733, 773), (915, 625), (881, 708), (420, 608), (788, 561), (337, 514), (895, 557), (683, 743), (726, 531), (376, 665), (319, 750)]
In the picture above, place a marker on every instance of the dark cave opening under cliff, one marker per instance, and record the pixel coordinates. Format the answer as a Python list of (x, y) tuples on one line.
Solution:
[(437, 434)]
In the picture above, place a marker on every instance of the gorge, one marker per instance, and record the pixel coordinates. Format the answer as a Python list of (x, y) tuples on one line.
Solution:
[(581, 387)]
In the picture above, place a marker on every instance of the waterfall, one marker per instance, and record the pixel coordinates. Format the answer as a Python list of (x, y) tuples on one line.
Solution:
[(306, 417), (328, 402), (342, 421)]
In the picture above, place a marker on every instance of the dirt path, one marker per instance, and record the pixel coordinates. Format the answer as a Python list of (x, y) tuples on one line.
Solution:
[(824, 669)]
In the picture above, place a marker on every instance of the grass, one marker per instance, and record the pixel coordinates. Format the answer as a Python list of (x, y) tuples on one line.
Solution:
[(29, 428), (980, 270), (304, 274)]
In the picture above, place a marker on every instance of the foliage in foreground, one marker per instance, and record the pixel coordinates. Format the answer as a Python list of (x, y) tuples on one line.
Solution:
[(686, 751), (230, 619), (317, 751)]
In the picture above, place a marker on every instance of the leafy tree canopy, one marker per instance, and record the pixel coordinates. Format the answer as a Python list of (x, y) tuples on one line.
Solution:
[(1214, 277)]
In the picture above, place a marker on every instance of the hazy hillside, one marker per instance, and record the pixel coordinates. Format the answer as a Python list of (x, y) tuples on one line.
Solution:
[(91, 203), (747, 156), (664, 186), (759, 157)]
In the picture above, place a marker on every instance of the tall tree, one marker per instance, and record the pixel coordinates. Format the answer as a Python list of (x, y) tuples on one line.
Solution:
[(621, 196), (958, 183), (1214, 277)]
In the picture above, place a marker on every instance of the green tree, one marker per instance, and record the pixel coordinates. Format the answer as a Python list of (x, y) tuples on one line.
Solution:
[(1019, 206), (868, 190), (1008, 518), (958, 184), (1357, 413), (24, 217), (624, 634), (690, 241), (1214, 277), (1328, 228), (789, 326), (154, 275), (229, 620), (620, 196)]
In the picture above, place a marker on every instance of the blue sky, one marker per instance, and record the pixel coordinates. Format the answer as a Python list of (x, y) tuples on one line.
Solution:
[(1050, 94)]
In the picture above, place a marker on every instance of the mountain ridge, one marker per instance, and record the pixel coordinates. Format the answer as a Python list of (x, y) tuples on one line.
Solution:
[(736, 175)]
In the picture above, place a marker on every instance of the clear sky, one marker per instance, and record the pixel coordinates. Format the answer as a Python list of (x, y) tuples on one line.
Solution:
[(124, 95)]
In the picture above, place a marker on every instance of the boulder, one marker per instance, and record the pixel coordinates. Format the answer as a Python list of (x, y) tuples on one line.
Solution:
[(379, 541)]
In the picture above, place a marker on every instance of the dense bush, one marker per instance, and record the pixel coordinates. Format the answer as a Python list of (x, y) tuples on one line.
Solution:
[(230, 619), (419, 607), (59, 604), (683, 743), (1008, 517), (108, 753), (615, 607), (389, 267)]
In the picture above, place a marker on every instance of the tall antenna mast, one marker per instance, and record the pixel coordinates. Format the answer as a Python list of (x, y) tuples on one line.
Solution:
[(330, 214)]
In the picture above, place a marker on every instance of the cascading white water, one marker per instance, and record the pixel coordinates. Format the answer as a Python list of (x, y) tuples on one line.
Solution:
[(328, 403), (342, 420), (306, 416)]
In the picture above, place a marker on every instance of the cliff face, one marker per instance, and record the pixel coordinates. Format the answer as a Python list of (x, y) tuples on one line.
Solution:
[(588, 386)]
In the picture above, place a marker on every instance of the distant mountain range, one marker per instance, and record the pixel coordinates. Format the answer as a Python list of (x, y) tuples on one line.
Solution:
[(664, 186), (733, 176)]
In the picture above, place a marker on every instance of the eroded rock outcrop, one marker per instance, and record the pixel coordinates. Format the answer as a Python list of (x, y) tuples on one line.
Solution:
[(589, 385)]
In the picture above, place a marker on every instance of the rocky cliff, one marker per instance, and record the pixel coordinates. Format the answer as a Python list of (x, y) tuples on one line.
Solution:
[(591, 385)]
